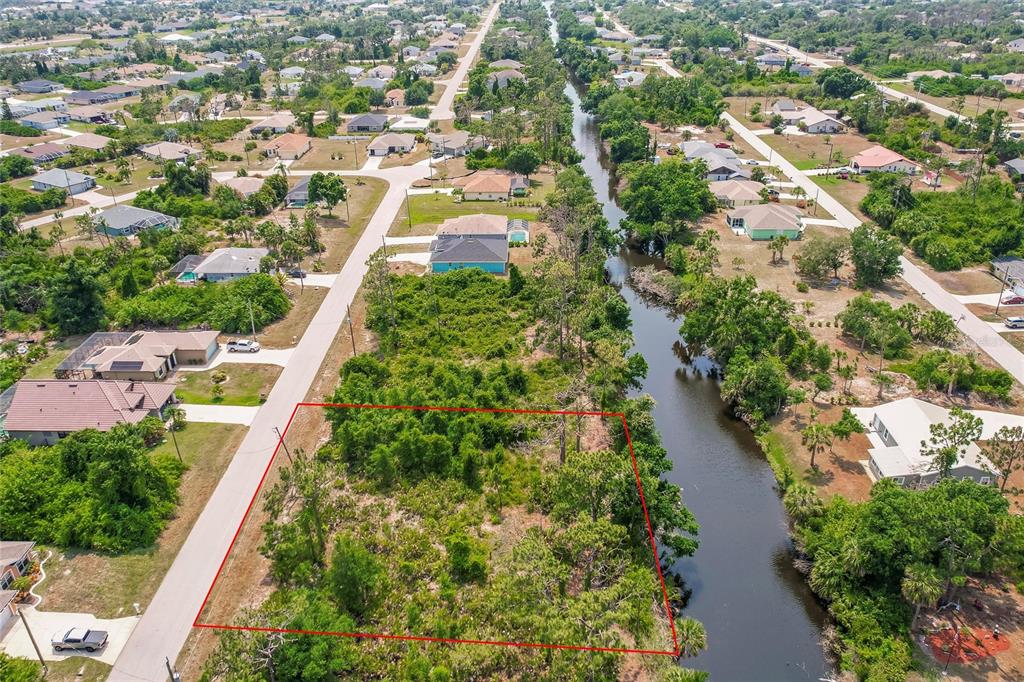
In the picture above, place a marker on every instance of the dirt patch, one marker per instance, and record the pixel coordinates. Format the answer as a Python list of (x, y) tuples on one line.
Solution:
[(966, 646)]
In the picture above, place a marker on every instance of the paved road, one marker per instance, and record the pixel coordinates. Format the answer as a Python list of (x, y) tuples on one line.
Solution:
[(822, 64), (443, 109), (814, 191), (167, 620), (982, 333)]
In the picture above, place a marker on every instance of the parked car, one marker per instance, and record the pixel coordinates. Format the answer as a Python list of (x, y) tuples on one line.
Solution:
[(438, 154), (297, 273), (243, 346), (79, 639), (1014, 322), (723, 145)]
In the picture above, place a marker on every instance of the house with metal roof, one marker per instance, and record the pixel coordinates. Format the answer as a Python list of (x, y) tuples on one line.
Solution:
[(42, 412), (224, 264), (898, 432), (125, 221), (68, 180), (367, 123), (456, 252), (763, 221), (45, 120), (39, 86)]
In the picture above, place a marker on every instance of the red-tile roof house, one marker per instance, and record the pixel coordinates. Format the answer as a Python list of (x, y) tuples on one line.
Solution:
[(43, 412)]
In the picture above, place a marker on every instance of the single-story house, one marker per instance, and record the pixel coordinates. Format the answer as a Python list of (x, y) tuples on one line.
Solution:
[(170, 151), (367, 123), (147, 83), (492, 186), (225, 264), (457, 143), (384, 71), (507, 64), (325, 38), (90, 141), (933, 73), (298, 196), (1016, 45), (353, 71), (278, 123), (483, 224), (139, 356), (394, 98), (44, 411), (391, 143), (899, 430), (372, 83), (814, 121), (629, 79), (125, 221), (41, 153), (722, 164), (504, 77), (88, 97), (15, 561), (761, 222), (90, 114), (70, 181), (423, 69), (290, 146), (878, 158), (245, 185), (45, 120), (734, 193), (1015, 167), (456, 252), (121, 91), (39, 86), (293, 72)]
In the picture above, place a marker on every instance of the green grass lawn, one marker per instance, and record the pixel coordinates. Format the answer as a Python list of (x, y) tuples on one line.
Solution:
[(807, 164), (244, 386), (826, 180), (436, 208)]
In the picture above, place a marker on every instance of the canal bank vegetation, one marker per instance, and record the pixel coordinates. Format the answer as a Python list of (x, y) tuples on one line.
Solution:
[(492, 526)]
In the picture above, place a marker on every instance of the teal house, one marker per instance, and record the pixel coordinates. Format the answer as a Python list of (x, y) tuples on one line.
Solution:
[(456, 252), (762, 222)]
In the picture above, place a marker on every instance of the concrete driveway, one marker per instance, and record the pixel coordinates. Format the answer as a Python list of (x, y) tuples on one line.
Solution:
[(220, 414), (265, 356), (45, 623), (315, 279)]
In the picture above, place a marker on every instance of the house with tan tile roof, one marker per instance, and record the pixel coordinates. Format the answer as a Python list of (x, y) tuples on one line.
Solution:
[(290, 146), (43, 412)]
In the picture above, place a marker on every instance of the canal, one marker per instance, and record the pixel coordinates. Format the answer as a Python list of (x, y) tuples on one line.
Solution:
[(762, 621)]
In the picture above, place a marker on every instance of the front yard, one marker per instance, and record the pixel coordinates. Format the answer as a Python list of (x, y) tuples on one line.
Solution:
[(107, 585), (246, 385)]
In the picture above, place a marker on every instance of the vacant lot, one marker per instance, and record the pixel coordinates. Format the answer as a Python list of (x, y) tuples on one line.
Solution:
[(973, 105), (811, 151), (334, 154), (430, 210), (245, 384), (106, 585)]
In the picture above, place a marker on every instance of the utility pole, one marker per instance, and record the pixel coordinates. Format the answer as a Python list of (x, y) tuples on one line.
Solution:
[(31, 637), (280, 438), (351, 332), (252, 320), (1004, 278), (175, 677), (408, 208), (174, 439)]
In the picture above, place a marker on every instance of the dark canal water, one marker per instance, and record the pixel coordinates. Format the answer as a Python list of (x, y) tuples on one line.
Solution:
[(762, 620)]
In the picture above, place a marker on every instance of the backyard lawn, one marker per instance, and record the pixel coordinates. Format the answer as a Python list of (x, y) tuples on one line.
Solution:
[(244, 386), (106, 585)]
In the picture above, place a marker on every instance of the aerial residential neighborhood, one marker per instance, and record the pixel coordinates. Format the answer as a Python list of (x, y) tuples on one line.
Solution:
[(494, 340)]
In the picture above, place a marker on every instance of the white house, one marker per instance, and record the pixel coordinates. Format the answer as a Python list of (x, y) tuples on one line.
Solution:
[(880, 159), (391, 143), (900, 430)]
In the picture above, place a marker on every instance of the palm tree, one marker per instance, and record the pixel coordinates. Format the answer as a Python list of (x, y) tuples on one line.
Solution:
[(955, 366), (802, 502), (921, 586), (57, 232), (815, 437), (693, 639)]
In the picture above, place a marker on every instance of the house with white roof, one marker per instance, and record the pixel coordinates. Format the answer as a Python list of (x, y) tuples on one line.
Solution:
[(900, 430)]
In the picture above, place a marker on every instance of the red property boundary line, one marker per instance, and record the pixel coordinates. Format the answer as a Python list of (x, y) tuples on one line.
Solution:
[(535, 645)]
